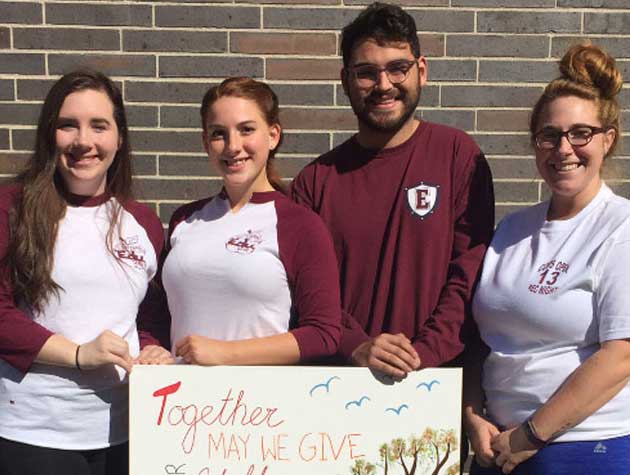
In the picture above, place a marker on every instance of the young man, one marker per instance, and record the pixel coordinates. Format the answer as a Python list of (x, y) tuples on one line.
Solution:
[(409, 204)]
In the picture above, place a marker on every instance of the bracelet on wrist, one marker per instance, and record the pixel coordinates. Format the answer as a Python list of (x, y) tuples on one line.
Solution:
[(76, 358), (532, 435)]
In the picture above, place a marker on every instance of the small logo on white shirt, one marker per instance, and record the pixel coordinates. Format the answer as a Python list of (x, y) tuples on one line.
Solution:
[(599, 448), (423, 199), (129, 250), (245, 243), (548, 275)]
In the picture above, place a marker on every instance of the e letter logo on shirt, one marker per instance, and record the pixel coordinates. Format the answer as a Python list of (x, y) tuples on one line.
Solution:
[(423, 199)]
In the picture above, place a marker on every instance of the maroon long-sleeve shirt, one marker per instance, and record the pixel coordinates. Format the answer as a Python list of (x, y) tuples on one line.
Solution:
[(410, 226)]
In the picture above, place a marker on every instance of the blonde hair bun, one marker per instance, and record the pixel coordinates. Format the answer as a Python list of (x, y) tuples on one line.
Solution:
[(593, 67)]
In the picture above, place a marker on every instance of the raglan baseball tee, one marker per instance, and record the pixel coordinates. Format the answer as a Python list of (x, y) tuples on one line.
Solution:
[(267, 269), (59, 407)]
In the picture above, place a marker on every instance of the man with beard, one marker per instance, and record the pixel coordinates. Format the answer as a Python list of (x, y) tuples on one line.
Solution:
[(409, 204)]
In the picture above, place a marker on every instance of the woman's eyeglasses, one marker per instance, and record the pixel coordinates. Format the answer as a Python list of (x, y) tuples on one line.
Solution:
[(549, 138)]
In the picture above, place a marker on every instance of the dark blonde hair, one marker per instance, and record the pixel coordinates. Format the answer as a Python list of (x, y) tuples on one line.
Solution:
[(587, 72), (266, 100), (42, 203)]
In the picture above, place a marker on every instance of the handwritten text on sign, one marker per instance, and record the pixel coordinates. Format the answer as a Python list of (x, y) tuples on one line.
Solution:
[(187, 420)]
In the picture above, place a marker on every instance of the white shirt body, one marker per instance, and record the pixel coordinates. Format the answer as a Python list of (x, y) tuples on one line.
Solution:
[(59, 407), (550, 293)]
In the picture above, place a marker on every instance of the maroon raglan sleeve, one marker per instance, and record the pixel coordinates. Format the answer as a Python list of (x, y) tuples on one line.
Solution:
[(307, 253), (153, 320), (443, 335), (21, 339)]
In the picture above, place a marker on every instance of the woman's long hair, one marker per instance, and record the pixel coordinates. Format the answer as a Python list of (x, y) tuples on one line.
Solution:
[(265, 99), (42, 202)]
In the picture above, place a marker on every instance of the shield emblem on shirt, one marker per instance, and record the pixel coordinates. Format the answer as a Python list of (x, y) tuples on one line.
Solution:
[(423, 199)]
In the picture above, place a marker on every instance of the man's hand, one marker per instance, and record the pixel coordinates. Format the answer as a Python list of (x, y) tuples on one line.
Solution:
[(390, 354)]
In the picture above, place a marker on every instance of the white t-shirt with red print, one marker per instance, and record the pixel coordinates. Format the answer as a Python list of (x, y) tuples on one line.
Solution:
[(267, 269), (550, 293), (62, 407)]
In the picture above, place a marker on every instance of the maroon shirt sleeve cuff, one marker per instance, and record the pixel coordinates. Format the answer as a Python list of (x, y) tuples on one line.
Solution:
[(352, 335), (21, 339)]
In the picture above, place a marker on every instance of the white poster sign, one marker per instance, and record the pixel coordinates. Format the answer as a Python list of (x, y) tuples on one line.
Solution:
[(189, 420)]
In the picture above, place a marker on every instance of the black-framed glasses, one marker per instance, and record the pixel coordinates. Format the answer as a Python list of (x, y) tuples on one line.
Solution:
[(366, 75), (549, 138)]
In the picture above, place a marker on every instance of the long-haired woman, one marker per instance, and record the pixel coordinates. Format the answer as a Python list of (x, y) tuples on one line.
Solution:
[(77, 256)]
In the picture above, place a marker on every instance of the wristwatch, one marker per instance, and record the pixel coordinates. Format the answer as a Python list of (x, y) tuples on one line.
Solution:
[(532, 436)]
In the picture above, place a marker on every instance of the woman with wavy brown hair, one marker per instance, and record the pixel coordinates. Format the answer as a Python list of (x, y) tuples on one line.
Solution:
[(77, 254), (250, 276), (553, 305)]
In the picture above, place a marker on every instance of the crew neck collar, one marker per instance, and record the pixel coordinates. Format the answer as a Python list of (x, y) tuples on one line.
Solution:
[(86, 201), (257, 197), (387, 152), (559, 224)]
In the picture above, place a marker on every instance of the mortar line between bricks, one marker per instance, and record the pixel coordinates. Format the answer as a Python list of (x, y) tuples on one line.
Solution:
[(516, 180), (176, 177), (67, 52)]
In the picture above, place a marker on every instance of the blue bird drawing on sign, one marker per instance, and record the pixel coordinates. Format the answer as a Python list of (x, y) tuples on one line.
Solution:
[(428, 385), (398, 409), (325, 385), (358, 402)]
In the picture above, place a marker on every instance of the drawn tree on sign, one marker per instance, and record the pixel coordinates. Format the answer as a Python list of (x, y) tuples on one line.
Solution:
[(437, 445), (415, 455), (453, 469), (362, 467)]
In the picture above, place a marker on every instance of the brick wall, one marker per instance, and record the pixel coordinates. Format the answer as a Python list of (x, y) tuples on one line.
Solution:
[(488, 62)]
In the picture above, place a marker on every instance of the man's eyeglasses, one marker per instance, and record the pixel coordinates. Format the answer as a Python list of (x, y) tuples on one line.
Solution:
[(367, 75), (549, 138)]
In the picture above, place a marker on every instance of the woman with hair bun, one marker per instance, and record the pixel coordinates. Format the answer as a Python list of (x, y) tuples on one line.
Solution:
[(77, 254), (553, 301), (250, 277)]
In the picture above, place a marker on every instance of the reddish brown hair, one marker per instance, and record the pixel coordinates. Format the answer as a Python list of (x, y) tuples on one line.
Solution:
[(265, 99), (587, 72)]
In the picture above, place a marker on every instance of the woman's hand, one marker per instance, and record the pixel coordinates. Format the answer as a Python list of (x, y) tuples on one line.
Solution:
[(512, 448), (154, 354), (107, 348), (481, 432), (196, 349)]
